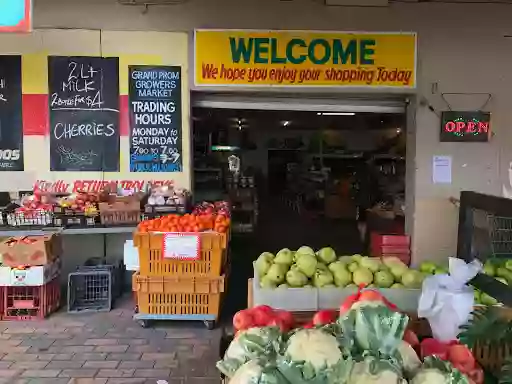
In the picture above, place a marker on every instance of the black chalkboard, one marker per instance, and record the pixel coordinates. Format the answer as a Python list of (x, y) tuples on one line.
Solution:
[(11, 120), (155, 119), (84, 113)]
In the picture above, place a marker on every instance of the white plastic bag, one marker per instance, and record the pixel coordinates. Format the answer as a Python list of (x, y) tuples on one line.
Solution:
[(446, 301)]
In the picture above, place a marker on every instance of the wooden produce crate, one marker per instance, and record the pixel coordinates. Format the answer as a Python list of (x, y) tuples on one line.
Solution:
[(119, 213), (151, 262)]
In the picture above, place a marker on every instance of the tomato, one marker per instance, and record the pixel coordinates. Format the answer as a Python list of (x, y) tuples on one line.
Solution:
[(243, 320), (324, 317), (433, 347), (459, 354)]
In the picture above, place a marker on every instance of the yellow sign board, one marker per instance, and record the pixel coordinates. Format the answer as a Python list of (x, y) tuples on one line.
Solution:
[(303, 58)]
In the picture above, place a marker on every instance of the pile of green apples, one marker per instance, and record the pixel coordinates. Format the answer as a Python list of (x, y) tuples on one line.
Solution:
[(307, 268), (501, 270)]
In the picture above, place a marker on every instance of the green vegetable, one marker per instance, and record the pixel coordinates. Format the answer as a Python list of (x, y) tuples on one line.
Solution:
[(253, 343)]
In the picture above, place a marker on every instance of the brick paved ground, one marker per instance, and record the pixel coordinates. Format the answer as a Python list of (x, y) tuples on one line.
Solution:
[(106, 348)]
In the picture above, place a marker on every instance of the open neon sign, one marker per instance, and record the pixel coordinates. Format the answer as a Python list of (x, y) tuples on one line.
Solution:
[(15, 15), (465, 126)]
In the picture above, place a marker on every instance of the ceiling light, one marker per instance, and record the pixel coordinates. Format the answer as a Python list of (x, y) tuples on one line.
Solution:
[(286, 123), (398, 130), (336, 113)]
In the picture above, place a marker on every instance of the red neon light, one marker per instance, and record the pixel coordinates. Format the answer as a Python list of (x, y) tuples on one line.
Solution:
[(24, 25)]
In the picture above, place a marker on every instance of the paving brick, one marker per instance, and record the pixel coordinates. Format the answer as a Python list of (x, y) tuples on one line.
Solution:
[(158, 356), (41, 373), (166, 364), (76, 373), (152, 373), (143, 348), (6, 364), (11, 349), (116, 373), (90, 356), (111, 348), (102, 342), (29, 365), (66, 364), (138, 364), (20, 357), (108, 364), (63, 356), (127, 381), (41, 380), (125, 356), (87, 381), (9, 372), (72, 349)]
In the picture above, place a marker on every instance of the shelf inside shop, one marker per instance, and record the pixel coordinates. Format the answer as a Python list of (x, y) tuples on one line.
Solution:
[(485, 233)]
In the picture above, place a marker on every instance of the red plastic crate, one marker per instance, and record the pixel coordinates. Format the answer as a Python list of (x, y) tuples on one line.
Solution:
[(378, 240), (31, 303), (2, 307)]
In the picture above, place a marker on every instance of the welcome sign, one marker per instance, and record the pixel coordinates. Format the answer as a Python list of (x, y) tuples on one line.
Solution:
[(303, 58), (15, 15)]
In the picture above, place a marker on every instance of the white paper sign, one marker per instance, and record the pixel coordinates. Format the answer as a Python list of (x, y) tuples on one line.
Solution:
[(182, 246), (442, 169)]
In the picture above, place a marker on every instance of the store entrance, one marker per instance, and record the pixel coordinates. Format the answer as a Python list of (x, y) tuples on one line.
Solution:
[(316, 177)]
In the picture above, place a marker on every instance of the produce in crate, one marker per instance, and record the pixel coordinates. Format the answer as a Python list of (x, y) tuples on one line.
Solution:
[(365, 342), (81, 202), (324, 269), (186, 223), (501, 270)]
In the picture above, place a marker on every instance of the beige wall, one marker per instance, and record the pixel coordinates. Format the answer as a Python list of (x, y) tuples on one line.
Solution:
[(462, 49)]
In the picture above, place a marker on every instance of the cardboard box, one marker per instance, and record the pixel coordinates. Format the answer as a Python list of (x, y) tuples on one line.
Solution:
[(30, 276), (30, 250)]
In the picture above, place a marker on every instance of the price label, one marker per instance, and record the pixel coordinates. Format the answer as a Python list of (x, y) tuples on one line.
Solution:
[(182, 246)]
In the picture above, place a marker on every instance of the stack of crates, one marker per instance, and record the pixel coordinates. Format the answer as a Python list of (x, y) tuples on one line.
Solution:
[(30, 277), (391, 246), (173, 289)]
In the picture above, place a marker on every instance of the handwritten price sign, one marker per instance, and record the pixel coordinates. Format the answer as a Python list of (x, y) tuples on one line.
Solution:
[(182, 246)]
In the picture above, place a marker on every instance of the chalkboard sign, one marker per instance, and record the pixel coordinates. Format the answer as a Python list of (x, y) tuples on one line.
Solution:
[(465, 126), (84, 113), (11, 123), (155, 119)]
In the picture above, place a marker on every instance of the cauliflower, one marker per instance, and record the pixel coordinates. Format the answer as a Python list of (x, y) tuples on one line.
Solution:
[(436, 371), (257, 372), (375, 371), (408, 358), (250, 344), (314, 346), (314, 356)]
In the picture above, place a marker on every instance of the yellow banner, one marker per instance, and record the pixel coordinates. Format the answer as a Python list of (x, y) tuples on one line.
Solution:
[(300, 58)]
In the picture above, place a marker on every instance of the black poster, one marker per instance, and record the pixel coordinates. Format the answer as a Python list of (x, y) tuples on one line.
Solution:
[(84, 113), (11, 121), (465, 126), (155, 119)]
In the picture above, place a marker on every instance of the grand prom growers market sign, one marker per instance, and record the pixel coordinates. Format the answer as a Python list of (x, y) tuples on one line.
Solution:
[(299, 58)]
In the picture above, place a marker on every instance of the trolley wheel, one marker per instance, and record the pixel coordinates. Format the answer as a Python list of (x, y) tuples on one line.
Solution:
[(136, 309), (210, 324), (144, 323)]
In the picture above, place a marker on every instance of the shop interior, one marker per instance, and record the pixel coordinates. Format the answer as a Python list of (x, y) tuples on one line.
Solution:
[(306, 177)]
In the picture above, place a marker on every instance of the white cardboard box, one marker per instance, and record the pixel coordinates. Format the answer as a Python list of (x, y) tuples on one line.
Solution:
[(131, 256), (29, 276), (314, 299)]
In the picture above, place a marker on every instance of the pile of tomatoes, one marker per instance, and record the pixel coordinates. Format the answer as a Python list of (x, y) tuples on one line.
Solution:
[(186, 223)]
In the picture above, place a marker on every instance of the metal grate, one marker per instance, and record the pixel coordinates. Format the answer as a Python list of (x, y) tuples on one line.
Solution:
[(500, 233)]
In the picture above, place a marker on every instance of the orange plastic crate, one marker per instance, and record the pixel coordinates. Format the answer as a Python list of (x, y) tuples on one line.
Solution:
[(171, 284), (152, 263)]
